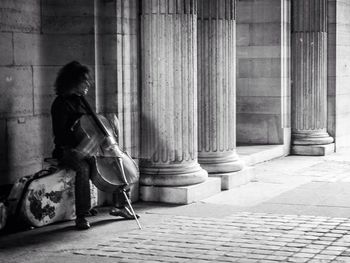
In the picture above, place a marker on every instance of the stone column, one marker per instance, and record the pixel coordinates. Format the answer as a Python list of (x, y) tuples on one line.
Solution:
[(309, 78), (217, 88), (169, 150)]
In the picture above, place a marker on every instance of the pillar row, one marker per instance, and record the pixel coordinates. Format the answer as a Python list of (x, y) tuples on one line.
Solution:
[(169, 149), (309, 73), (217, 86)]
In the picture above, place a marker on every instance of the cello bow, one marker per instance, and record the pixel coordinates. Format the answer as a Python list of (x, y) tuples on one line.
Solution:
[(106, 134)]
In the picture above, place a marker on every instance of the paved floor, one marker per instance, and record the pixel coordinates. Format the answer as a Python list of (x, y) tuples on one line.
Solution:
[(296, 209)]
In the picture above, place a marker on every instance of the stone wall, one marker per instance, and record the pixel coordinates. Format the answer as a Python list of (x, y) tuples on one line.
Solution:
[(339, 71), (24, 89), (37, 37), (263, 71), (117, 72)]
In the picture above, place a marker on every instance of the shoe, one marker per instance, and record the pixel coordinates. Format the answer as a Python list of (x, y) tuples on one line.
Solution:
[(92, 212), (81, 223), (123, 212)]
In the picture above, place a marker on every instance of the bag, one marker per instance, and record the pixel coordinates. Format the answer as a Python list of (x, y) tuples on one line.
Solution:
[(45, 197)]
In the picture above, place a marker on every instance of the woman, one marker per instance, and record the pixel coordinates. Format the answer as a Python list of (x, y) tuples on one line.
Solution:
[(73, 81)]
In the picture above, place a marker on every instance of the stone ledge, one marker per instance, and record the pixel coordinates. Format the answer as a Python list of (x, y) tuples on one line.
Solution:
[(313, 150), (234, 179), (181, 194), (255, 154)]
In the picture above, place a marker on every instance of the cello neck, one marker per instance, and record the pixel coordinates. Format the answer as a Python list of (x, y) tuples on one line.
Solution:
[(98, 122)]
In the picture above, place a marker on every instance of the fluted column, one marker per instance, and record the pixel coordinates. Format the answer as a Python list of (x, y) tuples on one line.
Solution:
[(169, 94), (217, 86), (309, 73)]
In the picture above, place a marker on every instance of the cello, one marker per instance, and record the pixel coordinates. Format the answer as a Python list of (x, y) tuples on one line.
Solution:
[(112, 168)]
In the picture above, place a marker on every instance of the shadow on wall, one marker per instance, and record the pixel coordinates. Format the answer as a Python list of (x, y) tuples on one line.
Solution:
[(117, 72), (19, 31), (106, 56), (67, 34), (36, 38), (5, 179)]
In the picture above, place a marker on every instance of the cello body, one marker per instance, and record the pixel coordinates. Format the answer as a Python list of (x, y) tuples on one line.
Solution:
[(111, 167), (106, 176)]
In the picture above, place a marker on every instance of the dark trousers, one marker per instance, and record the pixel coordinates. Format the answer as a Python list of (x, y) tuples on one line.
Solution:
[(82, 167)]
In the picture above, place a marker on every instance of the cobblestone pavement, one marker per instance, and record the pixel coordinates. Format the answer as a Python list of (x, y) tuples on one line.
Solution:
[(241, 237), (296, 209)]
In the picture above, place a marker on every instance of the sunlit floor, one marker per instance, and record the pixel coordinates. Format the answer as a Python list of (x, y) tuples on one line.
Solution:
[(253, 154)]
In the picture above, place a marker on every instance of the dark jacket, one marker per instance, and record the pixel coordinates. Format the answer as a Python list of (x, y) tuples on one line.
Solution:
[(66, 112)]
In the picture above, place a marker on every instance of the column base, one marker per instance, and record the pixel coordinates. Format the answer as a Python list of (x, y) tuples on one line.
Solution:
[(231, 167), (181, 194), (219, 163), (182, 174), (313, 150), (234, 179), (311, 138)]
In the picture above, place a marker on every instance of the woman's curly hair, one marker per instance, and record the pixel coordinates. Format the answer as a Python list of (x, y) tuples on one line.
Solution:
[(70, 76)]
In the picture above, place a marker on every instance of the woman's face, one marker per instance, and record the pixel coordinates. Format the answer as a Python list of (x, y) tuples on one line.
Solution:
[(83, 88)]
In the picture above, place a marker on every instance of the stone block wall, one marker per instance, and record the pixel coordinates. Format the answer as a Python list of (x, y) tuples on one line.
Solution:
[(339, 71), (117, 77), (21, 126), (263, 72), (117, 72), (37, 37)]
